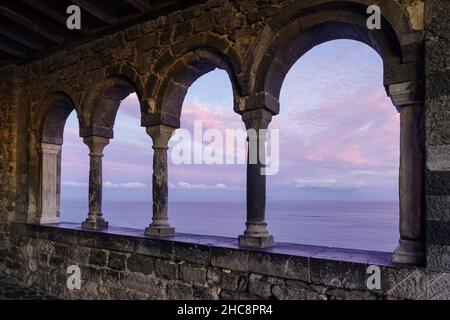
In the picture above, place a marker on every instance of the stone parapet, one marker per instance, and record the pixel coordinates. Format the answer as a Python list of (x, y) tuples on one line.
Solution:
[(123, 263)]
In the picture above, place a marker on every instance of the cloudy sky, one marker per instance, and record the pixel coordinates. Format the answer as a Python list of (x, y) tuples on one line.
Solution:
[(339, 137)]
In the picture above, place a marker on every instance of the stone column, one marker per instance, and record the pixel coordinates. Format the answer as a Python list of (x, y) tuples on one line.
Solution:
[(256, 234), (49, 201), (160, 226), (95, 218), (407, 97)]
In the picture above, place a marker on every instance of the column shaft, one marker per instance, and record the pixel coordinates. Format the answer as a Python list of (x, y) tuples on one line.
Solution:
[(160, 226), (256, 234), (408, 99), (411, 249), (49, 202), (95, 218)]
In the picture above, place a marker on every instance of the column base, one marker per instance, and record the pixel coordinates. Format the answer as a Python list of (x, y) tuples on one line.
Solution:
[(47, 219), (94, 225), (409, 252), (255, 242), (159, 231)]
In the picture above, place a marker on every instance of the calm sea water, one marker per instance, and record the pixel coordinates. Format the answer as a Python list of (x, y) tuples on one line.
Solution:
[(341, 224)]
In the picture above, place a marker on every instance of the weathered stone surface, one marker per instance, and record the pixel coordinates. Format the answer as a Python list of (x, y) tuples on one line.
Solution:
[(179, 291), (166, 269), (11, 289), (437, 122), (192, 274), (438, 257), (229, 259), (296, 290), (225, 279), (197, 254), (437, 21), (340, 294), (338, 274), (438, 183), (438, 158), (151, 285), (141, 264), (278, 265), (259, 287), (206, 293), (98, 257), (232, 295), (438, 232), (117, 261)]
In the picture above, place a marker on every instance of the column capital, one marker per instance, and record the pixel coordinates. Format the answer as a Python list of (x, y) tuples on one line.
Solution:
[(160, 135), (406, 93), (86, 132), (50, 148), (257, 119), (96, 144)]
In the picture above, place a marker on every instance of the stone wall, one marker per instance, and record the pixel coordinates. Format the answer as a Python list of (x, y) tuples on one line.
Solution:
[(121, 264), (8, 138), (437, 18)]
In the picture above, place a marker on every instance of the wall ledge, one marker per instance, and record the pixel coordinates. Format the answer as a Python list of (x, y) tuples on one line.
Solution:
[(283, 271)]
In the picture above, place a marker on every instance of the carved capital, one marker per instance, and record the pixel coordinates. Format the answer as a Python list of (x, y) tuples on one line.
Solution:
[(50, 149), (160, 135), (257, 119), (406, 93), (86, 132), (96, 145)]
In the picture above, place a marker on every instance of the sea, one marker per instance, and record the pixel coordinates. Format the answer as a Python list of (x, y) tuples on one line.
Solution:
[(365, 225)]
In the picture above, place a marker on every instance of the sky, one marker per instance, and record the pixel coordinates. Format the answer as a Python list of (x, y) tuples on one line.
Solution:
[(338, 133)]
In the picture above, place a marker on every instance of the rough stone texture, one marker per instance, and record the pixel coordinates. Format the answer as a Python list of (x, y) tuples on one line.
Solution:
[(11, 289), (160, 59), (39, 256), (437, 67)]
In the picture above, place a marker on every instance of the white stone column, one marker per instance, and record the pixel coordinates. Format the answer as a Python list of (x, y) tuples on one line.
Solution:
[(407, 97), (160, 226), (49, 196), (95, 218), (256, 234)]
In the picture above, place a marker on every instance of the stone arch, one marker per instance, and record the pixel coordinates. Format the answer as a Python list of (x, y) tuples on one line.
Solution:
[(284, 41), (188, 61), (50, 122), (295, 31), (104, 100), (53, 121), (52, 112)]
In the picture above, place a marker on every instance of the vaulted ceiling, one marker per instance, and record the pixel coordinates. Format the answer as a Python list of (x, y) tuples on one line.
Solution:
[(29, 28)]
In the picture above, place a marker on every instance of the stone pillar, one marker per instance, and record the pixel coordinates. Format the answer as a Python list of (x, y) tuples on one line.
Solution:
[(160, 226), (49, 199), (95, 218), (256, 234), (407, 97)]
